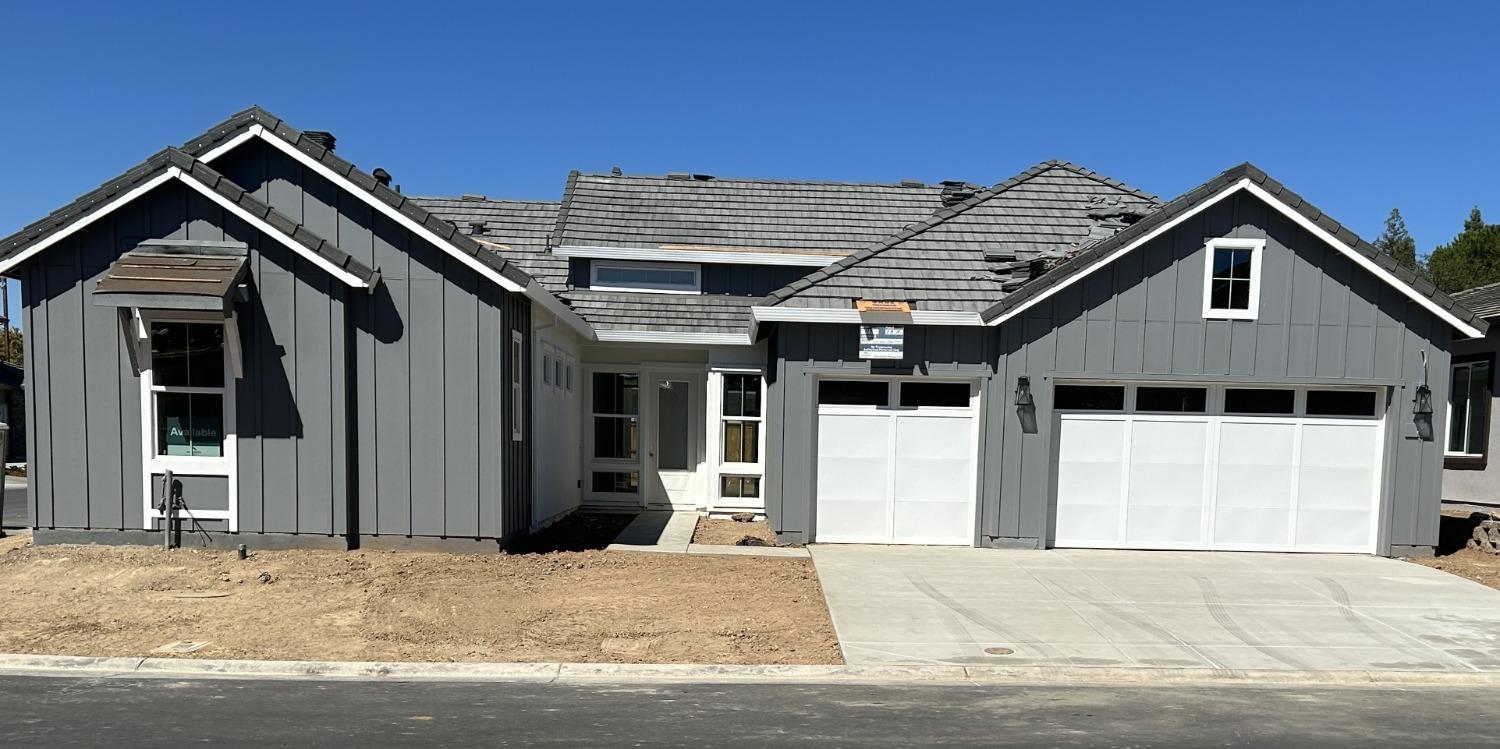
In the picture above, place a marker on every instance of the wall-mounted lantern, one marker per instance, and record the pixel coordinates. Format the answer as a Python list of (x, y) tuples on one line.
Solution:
[(1421, 412), (1421, 406), (1025, 405)]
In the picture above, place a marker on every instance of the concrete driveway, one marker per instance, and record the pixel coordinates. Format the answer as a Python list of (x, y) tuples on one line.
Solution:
[(1142, 609)]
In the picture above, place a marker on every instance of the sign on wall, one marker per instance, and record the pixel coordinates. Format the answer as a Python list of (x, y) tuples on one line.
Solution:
[(881, 341)]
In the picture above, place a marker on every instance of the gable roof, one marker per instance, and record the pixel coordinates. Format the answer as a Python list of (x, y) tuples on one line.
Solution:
[(226, 135), (962, 258), (1483, 301), (518, 230), (688, 212), (1246, 176), (164, 166), (256, 122)]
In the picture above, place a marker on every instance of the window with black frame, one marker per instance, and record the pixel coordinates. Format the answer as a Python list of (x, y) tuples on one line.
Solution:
[(187, 388)]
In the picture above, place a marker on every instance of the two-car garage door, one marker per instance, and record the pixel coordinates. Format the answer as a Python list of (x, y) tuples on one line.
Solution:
[(1200, 467)]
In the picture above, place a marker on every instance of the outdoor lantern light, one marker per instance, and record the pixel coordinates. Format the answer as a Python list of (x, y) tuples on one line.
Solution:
[(1421, 405), (1025, 405), (1421, 412)]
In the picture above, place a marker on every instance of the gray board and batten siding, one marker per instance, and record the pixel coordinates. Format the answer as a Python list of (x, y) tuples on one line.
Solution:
[(1322, 320), (358, 413)]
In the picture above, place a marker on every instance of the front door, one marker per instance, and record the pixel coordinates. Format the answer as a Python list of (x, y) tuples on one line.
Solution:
[(673, 453)]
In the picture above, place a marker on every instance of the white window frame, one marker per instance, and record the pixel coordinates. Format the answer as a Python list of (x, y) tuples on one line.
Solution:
[(547, 357), (517, 386), (1468, 364), (225, 464), (696, 287), (719, 468), (1257, 249)]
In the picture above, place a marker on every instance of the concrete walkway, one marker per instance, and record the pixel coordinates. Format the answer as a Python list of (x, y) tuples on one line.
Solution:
[(1156, 610), (665, 532)]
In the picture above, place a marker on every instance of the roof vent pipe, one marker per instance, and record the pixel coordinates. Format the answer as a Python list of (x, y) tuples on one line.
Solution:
[(382, 176), (323, 138)]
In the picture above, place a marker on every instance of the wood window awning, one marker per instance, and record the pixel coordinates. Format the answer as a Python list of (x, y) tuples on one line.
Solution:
[(175, 275)]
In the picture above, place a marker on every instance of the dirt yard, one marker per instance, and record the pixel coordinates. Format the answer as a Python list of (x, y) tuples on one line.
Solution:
[(1452, 556), (590, 606), (726, 532)]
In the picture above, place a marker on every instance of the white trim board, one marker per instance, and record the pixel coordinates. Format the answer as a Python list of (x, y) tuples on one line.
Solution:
[(531, 290), (1248, 185), (672, 336), (729, 256), (851, 316), (176, 173)]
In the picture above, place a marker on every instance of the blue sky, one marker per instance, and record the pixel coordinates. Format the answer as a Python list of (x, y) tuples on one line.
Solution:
[(1360, 106)]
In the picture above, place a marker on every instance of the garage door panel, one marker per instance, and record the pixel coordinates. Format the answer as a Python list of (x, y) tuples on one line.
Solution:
[(849, 521), (933, 522), (1254, 483), (1334, 530), (1090, 475), (1252, 526), (1165, 503)]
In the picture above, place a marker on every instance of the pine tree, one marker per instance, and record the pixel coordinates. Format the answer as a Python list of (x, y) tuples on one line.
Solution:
[(1398, 243), (1471, 259)]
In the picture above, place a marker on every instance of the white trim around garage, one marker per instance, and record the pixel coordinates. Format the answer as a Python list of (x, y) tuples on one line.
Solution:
[(1249, 186), (727, 255)]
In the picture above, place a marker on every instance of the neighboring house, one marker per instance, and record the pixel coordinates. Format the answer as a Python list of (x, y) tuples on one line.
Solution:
[(1057, 360), (1468, 475), (13, 410)]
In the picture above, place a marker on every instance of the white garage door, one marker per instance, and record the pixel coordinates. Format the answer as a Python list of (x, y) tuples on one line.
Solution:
[(896, 462), (1227, 468)]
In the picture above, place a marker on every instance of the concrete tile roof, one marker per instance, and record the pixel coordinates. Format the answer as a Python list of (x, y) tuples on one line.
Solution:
[(686, 313), (517, 230), (1483, 301), (965, 257), (635, 211)]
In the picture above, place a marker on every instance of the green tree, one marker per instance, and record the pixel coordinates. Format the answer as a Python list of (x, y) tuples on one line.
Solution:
[(1471, 259), (11, 348), (1397, 242)]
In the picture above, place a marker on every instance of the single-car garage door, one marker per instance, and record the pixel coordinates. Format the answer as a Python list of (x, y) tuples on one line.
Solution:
[(1224, 467), (896, 461)]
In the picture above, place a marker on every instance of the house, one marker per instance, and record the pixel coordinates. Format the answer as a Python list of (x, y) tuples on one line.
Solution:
[(13, 410), (1059, 359), (1467, 474)]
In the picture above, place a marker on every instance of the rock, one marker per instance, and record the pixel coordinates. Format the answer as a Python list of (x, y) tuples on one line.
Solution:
[(751, 541), (1486, 537), (743, 517), (265, 577)]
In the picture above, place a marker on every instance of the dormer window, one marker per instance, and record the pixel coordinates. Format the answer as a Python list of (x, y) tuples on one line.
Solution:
[(1231, 278), (662, 278)]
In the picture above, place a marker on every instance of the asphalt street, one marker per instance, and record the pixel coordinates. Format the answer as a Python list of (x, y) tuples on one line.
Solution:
[(13, 512), (130, 712)]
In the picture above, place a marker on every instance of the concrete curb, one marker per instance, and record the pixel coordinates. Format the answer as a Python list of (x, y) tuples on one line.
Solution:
[(66, 665)]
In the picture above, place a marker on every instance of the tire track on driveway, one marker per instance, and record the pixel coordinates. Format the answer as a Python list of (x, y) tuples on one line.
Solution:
[(1007, 631), (1220, 613)]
